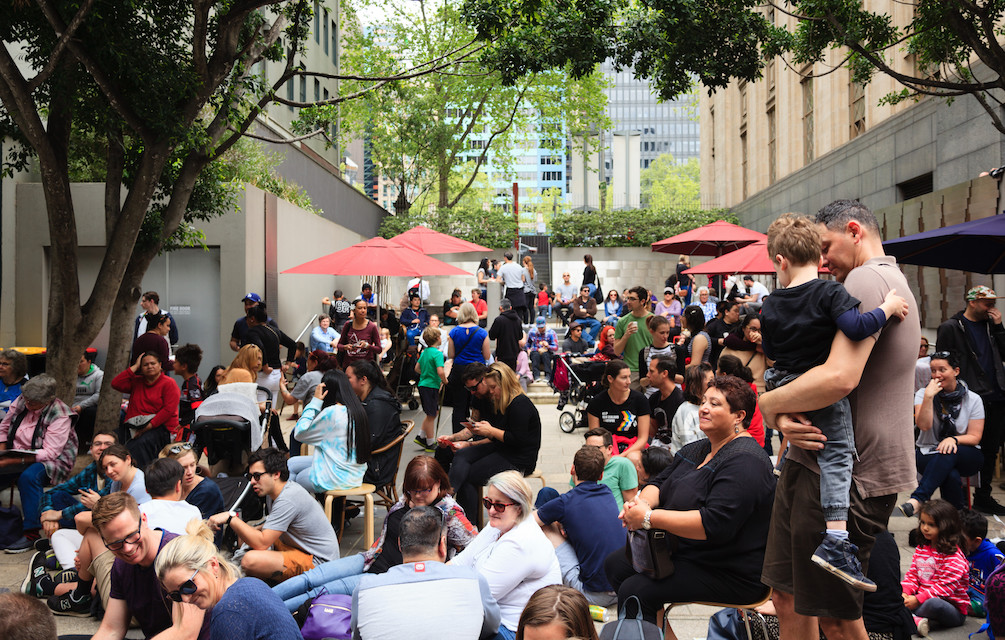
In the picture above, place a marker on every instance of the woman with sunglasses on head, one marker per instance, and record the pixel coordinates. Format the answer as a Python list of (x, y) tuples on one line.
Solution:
[(511, 553), (193, 571), (951, 419), (205, 496), (425, 484)]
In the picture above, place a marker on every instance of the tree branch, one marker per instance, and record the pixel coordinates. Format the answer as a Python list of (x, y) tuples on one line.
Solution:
[(57, 49)]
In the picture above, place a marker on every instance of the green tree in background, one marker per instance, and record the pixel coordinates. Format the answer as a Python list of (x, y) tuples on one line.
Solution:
[(667, 183)]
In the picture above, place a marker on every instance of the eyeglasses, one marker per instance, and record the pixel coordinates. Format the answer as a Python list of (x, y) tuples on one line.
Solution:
[(419, 492), (498, 506), (186, 588), (178, 448), (132, 538), (256, 476), (631, 299)]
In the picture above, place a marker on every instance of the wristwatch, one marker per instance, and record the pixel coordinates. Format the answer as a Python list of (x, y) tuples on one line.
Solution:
[(645, 520), (230, 517)]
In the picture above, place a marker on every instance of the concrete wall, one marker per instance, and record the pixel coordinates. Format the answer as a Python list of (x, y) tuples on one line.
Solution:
[(619, 267)]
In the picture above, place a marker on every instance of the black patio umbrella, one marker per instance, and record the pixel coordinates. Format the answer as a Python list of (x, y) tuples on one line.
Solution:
[(977, 246)]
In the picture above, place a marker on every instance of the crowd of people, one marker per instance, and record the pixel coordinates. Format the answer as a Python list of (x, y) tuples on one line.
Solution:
[(687, 390)]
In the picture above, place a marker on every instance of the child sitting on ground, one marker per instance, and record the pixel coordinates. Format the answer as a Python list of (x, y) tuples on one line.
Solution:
[(431, 376), (798, 324), (187, 359), (982, 556), (935, 587)]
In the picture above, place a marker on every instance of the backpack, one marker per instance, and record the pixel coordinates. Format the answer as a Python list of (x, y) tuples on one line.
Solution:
[(634, 628)]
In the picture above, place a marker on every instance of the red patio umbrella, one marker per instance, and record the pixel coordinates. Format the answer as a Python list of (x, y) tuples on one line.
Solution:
[(752, 259), (426, 240), (378, 257), (713, 239)]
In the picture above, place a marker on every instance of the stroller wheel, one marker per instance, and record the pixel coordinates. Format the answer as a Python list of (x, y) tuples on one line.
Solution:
[(567, 422), (413, 404)]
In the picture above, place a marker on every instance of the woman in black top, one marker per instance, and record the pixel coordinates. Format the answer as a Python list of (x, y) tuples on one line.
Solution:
[(589, 274), (511, 441), (621, 410), (716, 498)]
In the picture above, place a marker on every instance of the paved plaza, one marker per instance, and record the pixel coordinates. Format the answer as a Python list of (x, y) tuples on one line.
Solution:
[(557, 449)]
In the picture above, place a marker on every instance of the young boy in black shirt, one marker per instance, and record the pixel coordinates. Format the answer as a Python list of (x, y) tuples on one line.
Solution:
[(798, 324)]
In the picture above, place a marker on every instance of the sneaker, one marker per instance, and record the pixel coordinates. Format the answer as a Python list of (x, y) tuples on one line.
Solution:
[(66, 605), (32, 583), (907, 509), (51, 563), (838, 557), (923, 626), (42, 544), (424, 444), (987, 504), (66, 576), (21, 545)]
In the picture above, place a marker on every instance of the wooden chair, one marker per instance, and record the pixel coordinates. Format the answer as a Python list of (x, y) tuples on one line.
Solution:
[(387, 495), (366, 490), (746, 611)]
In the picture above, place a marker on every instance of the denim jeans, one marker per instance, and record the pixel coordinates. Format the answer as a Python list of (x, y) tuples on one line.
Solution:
[(61, 500), (540, 363), (338, 576), (591, 328), (940, 612), (30, 484), (836, 458), (300, 472), (945, 471)]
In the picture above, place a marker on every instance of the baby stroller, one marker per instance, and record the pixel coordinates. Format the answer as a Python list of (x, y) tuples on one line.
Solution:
[(402, 377), (228, 424), (576, 384)]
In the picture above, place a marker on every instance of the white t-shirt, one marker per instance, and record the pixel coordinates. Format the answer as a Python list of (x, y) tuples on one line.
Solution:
[(971, 409), (512, 275), (170, 515), (423, 288), (759, 291)]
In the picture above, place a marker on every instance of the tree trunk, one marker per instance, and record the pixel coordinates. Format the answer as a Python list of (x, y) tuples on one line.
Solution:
[(120, 343)]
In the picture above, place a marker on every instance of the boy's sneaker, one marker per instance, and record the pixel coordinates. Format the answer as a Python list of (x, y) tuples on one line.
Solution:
[(42, 544), (66, 605), (66, 576), (428, 447), (51, 563), (32, 583), (838, 557)]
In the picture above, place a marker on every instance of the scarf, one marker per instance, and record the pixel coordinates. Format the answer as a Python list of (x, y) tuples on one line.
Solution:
[(947, 406)]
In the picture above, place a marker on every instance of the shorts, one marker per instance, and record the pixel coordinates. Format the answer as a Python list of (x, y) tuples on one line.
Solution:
[(101, 569), (430, 398), (295, 561), (797, 526)]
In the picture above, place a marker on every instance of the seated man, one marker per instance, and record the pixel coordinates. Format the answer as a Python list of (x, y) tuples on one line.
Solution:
[(619, 472), (564, 293), (427, 596), (37, 421), (295, 537), (542, 344), (574, 342), (584, 527), (584, 308), (414, 318), (134, 590), (164, 511), (85, 397), (152, 415), (22, 618), (452, 307)]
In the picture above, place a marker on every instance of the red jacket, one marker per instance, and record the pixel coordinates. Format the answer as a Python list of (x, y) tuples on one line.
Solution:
[(160, 398)]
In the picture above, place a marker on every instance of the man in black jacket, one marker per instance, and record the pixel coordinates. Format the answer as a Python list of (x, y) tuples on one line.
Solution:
[(977, 337), (507, 331)]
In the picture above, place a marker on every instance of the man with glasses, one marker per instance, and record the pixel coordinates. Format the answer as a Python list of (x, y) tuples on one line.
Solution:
[(977, 337), (135, 591), (295, 537), (564, 293), (584, 308), (427, 596), (481, 408), (631, 334)]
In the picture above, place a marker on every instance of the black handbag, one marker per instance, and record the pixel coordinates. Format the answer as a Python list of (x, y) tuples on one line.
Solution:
[(651, 552)]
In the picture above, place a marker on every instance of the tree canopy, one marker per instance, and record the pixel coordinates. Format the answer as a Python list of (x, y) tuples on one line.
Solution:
[(955, 44), (667, 183)]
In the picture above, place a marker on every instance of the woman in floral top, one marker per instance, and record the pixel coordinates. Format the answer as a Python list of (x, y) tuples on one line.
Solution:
[(425, 484)]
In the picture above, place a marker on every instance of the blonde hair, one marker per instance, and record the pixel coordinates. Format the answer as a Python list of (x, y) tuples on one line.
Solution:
[(512, 485), (508, 382), (245, 359), (529, 263), (467, 313), (796, 238), (193, 552), (108, 507)]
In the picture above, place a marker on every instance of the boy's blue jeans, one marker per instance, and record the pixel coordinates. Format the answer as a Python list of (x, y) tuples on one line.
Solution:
[(836, 458)]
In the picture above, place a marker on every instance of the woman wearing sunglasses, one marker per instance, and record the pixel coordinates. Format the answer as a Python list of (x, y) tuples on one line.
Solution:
[(425, 485), (512, 553), (193, 571), (205, 496), (951, 419)]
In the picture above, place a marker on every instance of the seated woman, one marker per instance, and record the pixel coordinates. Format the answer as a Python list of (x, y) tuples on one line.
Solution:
[(612, 308), (195, 490), (152, 415), (335, 423), (383, 412), (697, 342), (425, 484), (556, 611), (684, 427), (716, 497), (621, 410), (38, 421), (511, 441), (605, 343), (193, 571), (511, 553), (744, 342), (244, 367), (951, 419), (317, 363)]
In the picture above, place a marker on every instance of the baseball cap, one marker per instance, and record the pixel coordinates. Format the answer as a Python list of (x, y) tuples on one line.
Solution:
[(540, 321), (981, 292), (254, 297), (668, 290)]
